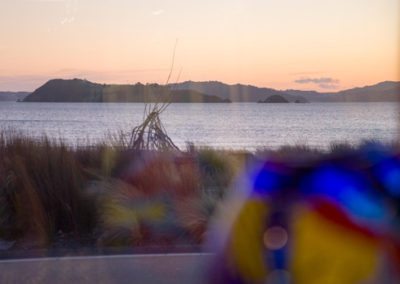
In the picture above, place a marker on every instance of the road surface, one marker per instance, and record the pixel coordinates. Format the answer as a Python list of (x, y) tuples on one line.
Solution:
[(154, 268)]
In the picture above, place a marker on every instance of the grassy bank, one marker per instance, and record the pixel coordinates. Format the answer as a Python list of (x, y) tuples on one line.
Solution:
[(107, 195)]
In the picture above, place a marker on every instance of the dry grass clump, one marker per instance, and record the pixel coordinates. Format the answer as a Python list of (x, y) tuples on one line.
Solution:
[(219, 168), (41, 191), (303, 153), (157, 201)]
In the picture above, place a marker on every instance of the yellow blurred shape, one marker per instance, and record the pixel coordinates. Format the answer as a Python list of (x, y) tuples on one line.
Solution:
[(326, 253), (122, 215), (153, 212), (118, 215), (246, 242)]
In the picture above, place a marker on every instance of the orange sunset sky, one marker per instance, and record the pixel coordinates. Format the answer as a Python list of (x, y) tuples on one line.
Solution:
[(324, 45)]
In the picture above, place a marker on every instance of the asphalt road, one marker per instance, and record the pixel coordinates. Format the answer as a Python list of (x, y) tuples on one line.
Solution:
[(148, 268)]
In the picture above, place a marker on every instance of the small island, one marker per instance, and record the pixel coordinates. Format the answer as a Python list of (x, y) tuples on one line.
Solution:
[(278, 99), (275, 99)]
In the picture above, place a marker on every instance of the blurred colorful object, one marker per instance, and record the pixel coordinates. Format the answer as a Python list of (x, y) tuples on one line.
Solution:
[(332, 220)]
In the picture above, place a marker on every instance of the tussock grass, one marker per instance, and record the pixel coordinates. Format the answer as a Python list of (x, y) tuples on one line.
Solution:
[(41, 185), (111, 194), (100, 192)]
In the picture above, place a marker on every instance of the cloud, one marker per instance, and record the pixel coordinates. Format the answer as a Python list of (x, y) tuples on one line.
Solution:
[(158, 12), (322, 82)]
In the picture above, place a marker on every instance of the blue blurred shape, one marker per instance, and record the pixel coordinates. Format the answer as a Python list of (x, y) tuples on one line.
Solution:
[(279, 257), (388, 172), (349, 190), (270, 179)]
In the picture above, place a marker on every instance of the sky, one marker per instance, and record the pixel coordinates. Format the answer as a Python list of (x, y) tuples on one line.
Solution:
[(319, 45)]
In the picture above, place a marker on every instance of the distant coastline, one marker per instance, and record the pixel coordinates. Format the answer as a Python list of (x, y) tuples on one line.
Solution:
[(78, 90), (12, 96)]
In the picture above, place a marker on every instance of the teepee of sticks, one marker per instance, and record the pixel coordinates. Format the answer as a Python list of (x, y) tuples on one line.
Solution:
[(151, 134)]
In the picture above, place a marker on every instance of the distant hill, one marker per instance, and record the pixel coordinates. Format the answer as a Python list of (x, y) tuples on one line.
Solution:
[(12, 96), (275, 99), (235, 93), (382, 92), (387, 91), (77, 90)]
